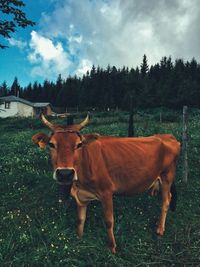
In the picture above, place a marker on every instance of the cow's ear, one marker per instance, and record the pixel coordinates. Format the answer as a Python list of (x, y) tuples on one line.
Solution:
[(41, 140), (88, 138)]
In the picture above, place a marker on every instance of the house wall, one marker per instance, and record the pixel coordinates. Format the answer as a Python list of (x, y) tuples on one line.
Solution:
[(16, 109), (24, 110), (45, 110), (49, 110), (8, 112)]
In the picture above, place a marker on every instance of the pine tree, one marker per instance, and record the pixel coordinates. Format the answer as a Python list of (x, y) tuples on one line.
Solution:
[(4, 89), (144, 68), (27, 92), (15, 88), (58, 89)]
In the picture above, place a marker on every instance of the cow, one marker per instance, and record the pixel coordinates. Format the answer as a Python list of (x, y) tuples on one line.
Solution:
[(96, 167)]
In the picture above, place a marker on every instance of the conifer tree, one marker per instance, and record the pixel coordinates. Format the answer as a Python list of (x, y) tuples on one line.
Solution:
[(4, 89), (144, 68), (15, 88)]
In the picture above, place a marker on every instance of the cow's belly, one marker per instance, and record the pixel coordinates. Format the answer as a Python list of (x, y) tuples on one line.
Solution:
[(134, 182), (134, 173)]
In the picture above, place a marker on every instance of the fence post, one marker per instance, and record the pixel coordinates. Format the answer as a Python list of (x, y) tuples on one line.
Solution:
[(131, 121), (185, 145), (70, 119), (160, 116)]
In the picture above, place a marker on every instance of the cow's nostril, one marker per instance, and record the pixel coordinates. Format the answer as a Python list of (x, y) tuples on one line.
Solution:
[(65, 175)]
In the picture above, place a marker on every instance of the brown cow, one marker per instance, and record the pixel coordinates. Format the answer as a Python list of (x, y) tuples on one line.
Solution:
[(96, 167)]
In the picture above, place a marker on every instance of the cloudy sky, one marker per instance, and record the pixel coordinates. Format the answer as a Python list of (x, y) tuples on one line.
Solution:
[(72, 35)]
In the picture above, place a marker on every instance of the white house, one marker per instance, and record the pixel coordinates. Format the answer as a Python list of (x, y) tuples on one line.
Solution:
[(12, 106)]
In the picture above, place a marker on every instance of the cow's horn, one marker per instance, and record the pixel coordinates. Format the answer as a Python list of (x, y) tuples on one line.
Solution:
[(46, 122), (84, 122)]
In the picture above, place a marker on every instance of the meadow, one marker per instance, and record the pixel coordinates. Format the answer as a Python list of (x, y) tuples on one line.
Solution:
[(38, 230)]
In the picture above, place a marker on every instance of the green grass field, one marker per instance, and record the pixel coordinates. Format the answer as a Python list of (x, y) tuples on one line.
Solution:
[(37, 230)]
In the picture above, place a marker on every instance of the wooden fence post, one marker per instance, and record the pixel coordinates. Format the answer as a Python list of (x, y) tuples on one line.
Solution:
[(185, 145), (70, 119), (160, 116), (131, 122)]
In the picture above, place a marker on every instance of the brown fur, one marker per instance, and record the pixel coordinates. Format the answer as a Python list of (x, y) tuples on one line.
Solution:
[(107, 165)]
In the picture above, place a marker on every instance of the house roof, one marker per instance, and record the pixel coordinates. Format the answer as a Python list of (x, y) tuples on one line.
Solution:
[(12, 98), (40, 105)]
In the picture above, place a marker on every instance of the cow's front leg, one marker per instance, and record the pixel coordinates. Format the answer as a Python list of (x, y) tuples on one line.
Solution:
[(107, 203), (81, 219)]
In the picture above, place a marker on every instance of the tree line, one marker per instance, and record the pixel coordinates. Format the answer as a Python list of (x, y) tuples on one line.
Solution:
[(165, 84)]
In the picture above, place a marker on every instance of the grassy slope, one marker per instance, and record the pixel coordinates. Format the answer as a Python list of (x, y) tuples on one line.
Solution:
[(38, 231)]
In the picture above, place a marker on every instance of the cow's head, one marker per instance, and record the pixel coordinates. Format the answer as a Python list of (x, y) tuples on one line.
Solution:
[(65, 142)]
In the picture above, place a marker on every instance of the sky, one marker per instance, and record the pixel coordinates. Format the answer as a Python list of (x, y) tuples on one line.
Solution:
[(72, 35)]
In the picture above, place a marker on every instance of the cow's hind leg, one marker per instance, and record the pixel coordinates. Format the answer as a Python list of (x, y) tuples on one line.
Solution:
[(166, 197), (167, 182), (81, 219), (107, 203)]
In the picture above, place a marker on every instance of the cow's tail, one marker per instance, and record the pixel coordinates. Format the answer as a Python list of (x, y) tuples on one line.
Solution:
[(173, 197)]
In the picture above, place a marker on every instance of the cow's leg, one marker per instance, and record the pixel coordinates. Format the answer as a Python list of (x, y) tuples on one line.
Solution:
[(107, 203), (81, 219), (167, 180)]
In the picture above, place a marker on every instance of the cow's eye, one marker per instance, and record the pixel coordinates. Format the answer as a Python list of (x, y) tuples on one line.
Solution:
[(51, 145), (79, 145)]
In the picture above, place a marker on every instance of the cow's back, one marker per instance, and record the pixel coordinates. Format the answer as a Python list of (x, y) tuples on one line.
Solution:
[(132, 163), (127, 165)]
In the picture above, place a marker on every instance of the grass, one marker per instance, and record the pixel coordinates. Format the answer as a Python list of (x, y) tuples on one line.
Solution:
[(37, 230)]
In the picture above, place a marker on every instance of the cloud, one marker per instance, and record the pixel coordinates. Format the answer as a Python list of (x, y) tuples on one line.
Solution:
[(84, 66), (116, 32), (49, 59), (18, 43)]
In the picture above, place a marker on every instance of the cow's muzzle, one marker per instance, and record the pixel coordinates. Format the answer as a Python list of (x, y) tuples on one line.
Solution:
[(65, 176)]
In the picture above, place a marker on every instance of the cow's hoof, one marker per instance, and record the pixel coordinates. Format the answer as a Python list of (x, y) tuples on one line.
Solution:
[(160, 231), (113, 250), (79, 234)]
